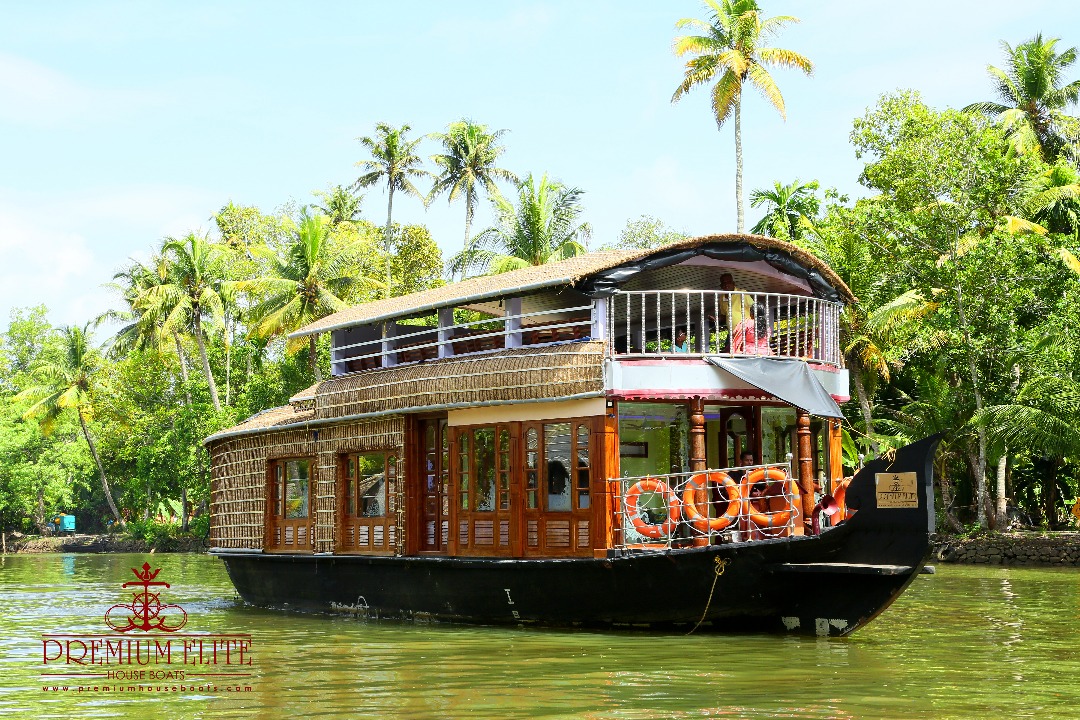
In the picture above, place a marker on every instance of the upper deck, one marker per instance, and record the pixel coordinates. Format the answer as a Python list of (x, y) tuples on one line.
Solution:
[(729, 296)]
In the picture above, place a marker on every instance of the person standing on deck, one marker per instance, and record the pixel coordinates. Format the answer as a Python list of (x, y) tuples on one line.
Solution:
[(746, 459), (734, 308)]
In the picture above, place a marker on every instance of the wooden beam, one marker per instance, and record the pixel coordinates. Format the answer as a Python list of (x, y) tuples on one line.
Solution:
[(698, 460), (606, 507), (806, 463)]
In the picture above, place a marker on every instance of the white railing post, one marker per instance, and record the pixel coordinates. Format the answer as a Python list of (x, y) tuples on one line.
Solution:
[(389, 356), (446, 332), (598, 329), (512, 322)]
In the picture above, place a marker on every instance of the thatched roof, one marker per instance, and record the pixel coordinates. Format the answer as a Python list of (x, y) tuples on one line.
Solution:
[(514, 375), (286, 415), (561, 273)]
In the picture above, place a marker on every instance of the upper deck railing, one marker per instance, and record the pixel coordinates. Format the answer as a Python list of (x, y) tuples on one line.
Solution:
[(415, 343), (735, 323), (640, 323)]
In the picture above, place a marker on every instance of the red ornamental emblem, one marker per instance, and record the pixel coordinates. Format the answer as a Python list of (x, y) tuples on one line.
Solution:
[(146, 611)]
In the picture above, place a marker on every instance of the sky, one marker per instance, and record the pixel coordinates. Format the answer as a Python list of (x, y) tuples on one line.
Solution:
[(122, 123)]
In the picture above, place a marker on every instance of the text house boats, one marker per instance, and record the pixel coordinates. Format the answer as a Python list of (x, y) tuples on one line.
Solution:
[(625, 438)]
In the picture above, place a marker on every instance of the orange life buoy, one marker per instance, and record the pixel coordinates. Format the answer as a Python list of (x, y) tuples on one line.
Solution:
[(840, 496), (768, 519), (642, 524), (699, 517)]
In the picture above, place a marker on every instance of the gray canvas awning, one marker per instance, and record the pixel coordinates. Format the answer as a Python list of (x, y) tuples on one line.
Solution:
[(789, 380)]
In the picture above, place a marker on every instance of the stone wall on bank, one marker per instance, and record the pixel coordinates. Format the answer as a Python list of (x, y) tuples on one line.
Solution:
[(113, 543), (1013, 548)]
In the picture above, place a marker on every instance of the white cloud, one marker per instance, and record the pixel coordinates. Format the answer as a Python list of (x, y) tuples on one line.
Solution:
[(47, 266), (60, 250), (35, 95)]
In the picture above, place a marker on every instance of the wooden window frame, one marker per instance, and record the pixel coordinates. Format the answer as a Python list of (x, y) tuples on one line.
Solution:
[(359, 534), (276, 523)]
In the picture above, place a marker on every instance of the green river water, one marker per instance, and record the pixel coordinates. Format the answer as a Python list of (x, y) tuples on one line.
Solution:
[(968, 642)]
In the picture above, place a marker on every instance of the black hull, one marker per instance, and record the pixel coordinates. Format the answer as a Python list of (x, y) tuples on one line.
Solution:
[(831, 584)]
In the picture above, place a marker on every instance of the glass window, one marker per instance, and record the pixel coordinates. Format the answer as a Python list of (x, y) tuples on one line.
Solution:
[(463, 466), (532, 459), (484, 466), (371, 484), (277, 492), (557, 449), (777, 433), (297, 488), (653, 439), (582, 466), (504, 469)]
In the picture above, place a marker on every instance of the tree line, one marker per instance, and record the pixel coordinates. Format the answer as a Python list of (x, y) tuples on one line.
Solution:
[(962, 257)]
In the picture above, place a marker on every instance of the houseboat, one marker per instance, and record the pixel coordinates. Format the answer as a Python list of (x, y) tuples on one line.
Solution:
[(621, 439)]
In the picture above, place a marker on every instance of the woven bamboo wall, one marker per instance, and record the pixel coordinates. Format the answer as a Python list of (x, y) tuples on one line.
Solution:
[(238, 478), (511, 375)]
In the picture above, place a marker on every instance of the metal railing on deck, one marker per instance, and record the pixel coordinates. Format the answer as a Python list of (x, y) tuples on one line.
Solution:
[(464, 338), (656, 512), (648, 322)]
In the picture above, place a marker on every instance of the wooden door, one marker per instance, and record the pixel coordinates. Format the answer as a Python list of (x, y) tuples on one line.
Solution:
[(434, 485), (556, 460), (483, 479)]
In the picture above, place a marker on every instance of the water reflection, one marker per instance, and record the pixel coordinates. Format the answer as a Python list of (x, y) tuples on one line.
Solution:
[(963, 643)]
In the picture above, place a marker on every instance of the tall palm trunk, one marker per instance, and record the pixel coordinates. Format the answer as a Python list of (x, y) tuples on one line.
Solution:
[(228, 363), (386, 235), (1001, 519), (739, 221), (979, 470), (183, 367), (101, 469), (468, 226), (205, 362), (945, 484), (1050, 493)]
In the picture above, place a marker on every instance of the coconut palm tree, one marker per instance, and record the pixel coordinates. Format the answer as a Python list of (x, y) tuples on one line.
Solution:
[(340, 204), (395, 162), (311, 279), (1055, 202), (467, 165), (731, 51), (1032, 99), (791, 210), (542, 227), (66, 382), (144, 328), (192, 293)]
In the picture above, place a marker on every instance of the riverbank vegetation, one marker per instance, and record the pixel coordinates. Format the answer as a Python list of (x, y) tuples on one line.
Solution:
[(962, 250)]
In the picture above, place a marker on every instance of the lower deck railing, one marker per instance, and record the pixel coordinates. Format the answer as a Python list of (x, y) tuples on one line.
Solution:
[(690, 509)]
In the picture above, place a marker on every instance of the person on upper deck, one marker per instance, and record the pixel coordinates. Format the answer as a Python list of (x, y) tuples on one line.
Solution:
[(736, 306), (681, 344)]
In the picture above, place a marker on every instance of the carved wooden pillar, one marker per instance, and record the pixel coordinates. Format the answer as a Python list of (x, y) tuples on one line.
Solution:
[(806, 463), (698, 460)]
